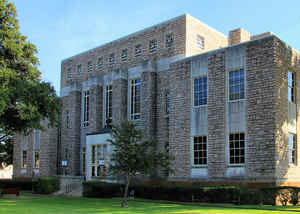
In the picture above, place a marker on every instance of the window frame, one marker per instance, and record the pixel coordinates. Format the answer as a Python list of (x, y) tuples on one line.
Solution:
[(167, 102), (108, 102), (69, 74), (100, 62), (68, 119), (36, 159), (200, 151), (235, 148), (86, 108), (292, 154), (111, 59), (124, 55), (244, 85), (90, 67), (153, 45), (169, 40), (137, 50), (135, 115), (24, 159), (200, 91), (79, 69), (200, 42), (292, 97)]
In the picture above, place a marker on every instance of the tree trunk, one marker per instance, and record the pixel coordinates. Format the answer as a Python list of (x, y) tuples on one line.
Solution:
[(124, 202)]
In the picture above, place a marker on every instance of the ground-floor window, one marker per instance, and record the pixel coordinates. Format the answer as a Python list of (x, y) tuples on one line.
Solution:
[(99, 160), (24, 159), (83, 161), (200, 150), (237, 148), (292, 148), (36, 161)]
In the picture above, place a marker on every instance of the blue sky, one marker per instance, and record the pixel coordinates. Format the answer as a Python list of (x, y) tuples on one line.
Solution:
[(63, 28)]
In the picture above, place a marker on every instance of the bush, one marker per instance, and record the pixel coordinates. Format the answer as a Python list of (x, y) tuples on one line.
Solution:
[(46, 185), (22, 184), (102, 189), (193, 192)]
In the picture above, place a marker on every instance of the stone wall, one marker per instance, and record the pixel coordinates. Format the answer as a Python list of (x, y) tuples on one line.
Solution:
[(47, 146), (179, 118), (286, 59), (260, 109), (212, 38)]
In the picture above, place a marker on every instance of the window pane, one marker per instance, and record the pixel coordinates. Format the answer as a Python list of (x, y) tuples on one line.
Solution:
[(200, 91), (236, 84)]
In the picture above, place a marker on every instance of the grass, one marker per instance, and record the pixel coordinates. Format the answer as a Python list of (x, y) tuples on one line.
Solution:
[(59, 205)]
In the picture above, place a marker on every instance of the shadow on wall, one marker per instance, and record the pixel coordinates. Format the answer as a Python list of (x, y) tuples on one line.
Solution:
[(288, 60), (6, 173)]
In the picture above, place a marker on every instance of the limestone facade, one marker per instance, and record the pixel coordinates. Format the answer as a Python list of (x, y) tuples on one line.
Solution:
[(219, 105)]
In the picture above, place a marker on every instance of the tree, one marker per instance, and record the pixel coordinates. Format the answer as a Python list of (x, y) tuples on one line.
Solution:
[(132, 155), (25, 100), (6, 151)]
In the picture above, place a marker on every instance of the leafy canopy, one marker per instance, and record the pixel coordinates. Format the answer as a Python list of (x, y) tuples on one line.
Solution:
[(133, 155), (25, 100)]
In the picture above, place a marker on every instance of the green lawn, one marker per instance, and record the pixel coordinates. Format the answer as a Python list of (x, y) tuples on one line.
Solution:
[(109, 206)]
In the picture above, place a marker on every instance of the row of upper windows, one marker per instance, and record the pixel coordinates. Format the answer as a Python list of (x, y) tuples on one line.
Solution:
[(123, 56), (135, 104), (236, 87), (134, 100)]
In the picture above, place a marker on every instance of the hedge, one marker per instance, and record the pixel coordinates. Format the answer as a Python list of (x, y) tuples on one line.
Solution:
[(190, 193), (22, 184), (46, 185)]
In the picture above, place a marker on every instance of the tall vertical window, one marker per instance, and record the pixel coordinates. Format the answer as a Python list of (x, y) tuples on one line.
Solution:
[(24, 159), (152, 45), (292, 148), (83, 160), (200, 91), (135, 104), (86, 109), (94, 164), (100, 62), (90, 66), (237, 148), (167, 102), (93, 154), (124, 55), (69, 74), (291, 86), (68, 119), (36, 160), (108, 106), (138, 50), (169, 40), (79, 69), (200, 150), (236, 84), (111, 59), (99, 158), (37, 134), (200, 42)]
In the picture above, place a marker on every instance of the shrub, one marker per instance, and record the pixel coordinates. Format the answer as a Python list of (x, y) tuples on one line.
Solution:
[(192, 192), (22, 184), (46, 185), (102, 189)]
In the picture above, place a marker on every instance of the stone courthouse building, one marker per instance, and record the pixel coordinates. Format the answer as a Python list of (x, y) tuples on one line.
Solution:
[(225, 107)]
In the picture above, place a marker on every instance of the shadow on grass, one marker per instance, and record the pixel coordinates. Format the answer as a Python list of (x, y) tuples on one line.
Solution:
[(108, 206)]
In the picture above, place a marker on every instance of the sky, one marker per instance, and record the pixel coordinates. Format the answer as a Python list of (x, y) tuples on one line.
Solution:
[(63, 28)]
